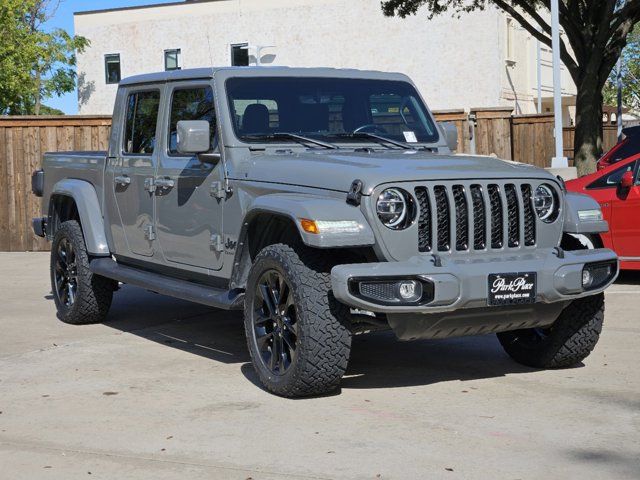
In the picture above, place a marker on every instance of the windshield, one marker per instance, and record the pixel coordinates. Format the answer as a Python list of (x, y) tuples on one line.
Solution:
[(331, 109)]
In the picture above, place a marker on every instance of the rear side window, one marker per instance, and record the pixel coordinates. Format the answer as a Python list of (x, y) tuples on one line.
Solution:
[(629, 147), (141, 121), (191, 104)]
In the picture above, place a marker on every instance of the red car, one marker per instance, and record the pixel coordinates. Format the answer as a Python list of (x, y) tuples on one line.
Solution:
[(625, 148), (617, 189)]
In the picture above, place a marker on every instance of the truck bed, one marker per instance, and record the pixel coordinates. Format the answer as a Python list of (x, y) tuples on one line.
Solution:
[(88, 166)]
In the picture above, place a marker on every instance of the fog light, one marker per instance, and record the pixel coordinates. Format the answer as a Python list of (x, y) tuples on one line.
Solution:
[(409, 290), (597, 275), (392, 291)]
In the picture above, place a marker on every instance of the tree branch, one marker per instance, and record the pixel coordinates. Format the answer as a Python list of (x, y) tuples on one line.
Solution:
[(531, 11), (567, 59), (631, 11), (574, 31)]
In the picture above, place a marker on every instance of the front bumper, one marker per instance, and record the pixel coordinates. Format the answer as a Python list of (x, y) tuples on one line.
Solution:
[(462, 282)]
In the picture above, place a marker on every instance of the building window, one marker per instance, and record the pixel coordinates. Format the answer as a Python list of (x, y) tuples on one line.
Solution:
[(240, 55), (172, 59), (112, 68)]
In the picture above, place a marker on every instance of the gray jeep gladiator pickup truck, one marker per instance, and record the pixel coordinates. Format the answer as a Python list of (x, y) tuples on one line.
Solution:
[(325, 203)]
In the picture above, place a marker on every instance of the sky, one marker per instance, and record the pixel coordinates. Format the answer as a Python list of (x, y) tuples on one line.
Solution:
[(64, 19)]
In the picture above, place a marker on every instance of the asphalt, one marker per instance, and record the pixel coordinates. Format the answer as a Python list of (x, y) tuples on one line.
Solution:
[(165, 390)]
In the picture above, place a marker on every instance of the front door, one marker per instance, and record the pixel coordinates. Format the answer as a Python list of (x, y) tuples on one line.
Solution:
[(134, 171), (625, 220), (189, 215)]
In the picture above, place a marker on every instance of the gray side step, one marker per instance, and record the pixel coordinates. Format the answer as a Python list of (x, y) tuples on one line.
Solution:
[(193, 292)]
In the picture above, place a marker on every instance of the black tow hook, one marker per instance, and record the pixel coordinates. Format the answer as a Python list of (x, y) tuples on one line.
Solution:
[(354, 197)]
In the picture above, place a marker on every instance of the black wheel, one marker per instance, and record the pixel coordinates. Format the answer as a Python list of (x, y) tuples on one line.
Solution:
[(297, 333), (80, 296), (566, 343)]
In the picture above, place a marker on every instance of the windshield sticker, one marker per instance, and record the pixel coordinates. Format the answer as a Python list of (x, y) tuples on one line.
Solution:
[(410, 137)]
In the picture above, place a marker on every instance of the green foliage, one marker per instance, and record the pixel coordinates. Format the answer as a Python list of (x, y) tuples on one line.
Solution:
[(34, 64), (45, 110), (630, 76)]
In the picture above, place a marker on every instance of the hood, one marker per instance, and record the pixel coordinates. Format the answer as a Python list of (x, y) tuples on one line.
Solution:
[(337, 170)]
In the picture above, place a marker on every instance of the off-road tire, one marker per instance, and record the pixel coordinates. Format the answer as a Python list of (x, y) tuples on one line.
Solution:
[(93, 294), (324, 337), (566, 343)]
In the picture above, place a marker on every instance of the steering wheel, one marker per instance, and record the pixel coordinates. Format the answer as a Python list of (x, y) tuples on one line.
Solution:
[(370, 126)]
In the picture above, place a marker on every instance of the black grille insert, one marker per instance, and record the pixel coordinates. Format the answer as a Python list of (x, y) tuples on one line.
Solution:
[(442, 212), (529, 216), (497, 238), (513, 215), (479, 218), (424, 220), (462, 218), (479, 215)]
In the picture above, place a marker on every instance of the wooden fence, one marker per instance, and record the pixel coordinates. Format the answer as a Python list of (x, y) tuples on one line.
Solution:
[(523, 138), (23, 140)]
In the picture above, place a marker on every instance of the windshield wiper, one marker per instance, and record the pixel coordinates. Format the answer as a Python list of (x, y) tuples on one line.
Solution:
[(375, 136), (294, 136)]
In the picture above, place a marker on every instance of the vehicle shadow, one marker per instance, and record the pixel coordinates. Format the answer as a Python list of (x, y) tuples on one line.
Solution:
[(628, 277), (381, 361), (208, 332), (378, 360)]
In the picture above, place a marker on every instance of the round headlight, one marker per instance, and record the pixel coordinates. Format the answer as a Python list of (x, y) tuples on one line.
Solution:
[(392, 208), (545, 203)]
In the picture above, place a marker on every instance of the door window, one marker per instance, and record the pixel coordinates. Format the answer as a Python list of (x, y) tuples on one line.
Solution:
[(612, 179), (141, 122), (191, 104)]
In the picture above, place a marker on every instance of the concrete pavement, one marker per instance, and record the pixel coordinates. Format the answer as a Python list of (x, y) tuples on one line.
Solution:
[(165, 390)]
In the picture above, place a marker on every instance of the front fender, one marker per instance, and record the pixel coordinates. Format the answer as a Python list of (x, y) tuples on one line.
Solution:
[(86, 200), (317, 208), (576, 202)]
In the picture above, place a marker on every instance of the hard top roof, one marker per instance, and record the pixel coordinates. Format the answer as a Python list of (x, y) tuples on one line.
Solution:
[(632, 131), (203, 73)]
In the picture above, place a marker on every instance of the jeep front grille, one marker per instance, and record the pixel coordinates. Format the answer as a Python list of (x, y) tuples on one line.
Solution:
[(461, 217)]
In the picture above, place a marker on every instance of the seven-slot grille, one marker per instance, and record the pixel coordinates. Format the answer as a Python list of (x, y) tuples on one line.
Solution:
[(475, 216)]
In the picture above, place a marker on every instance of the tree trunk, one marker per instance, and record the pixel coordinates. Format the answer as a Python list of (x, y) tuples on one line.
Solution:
[(587, 145)]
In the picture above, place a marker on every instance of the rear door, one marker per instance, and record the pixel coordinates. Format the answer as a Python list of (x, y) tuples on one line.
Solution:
[(189, 214), (134, 171)]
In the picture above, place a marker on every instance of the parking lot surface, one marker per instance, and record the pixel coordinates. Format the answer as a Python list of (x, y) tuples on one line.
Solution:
[(165, 389)]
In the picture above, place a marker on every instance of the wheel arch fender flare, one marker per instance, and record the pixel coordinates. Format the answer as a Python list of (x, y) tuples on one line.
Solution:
[(316, 208), (579, 202), (87, 204), (294, 207)]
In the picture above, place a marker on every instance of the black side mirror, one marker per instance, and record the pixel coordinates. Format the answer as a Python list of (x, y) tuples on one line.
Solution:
[(210, 158)]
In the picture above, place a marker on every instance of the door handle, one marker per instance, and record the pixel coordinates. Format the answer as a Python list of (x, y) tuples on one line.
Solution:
[(165, 183), (122, 180)]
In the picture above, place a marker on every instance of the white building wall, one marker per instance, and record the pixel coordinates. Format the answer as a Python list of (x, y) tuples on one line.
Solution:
[(456, 63)]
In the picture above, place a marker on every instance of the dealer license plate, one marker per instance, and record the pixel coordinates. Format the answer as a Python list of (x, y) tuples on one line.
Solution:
[(511, 288)]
